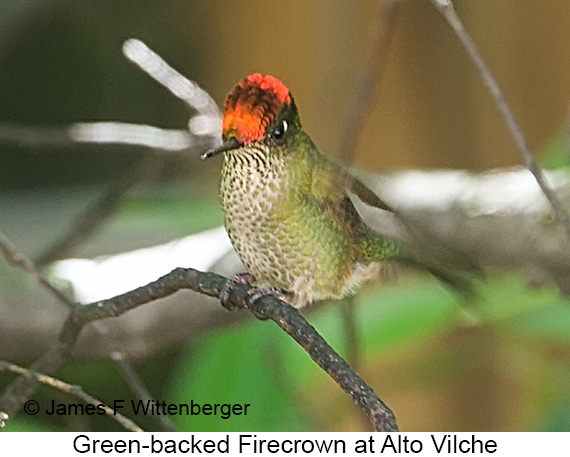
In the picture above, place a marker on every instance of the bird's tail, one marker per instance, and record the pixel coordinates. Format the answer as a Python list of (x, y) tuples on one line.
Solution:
[(450, 267)]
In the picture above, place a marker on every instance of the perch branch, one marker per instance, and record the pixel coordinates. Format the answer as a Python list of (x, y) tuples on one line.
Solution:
[(285, 316)]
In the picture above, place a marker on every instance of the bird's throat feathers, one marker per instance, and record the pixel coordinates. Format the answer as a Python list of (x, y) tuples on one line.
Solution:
[(252, 106)]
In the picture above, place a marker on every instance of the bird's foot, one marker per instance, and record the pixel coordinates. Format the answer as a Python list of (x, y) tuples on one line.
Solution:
[(255, 293), (259, 292), (240, 278)]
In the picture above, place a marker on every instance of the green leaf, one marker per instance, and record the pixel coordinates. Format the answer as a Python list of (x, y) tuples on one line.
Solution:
[(229, 368)]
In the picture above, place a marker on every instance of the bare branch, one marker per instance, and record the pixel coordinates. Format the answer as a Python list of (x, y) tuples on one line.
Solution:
[(445, 7), (140, 390), (135, 135), (88, 221), (292, 321), (364, 100), (19, 260), (267, 307), (76, 391), (363, 104), (209, 119)]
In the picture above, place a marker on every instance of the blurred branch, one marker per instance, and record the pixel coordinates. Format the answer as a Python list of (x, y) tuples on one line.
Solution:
[(140, 390), (204, 127), (499, 218), (19, 260), (76, 391), (363, 104), (88, 221), (204, 134), (267, 307), (134, 135), (348, 314), (446, 8), (209, 119), (385, 21)]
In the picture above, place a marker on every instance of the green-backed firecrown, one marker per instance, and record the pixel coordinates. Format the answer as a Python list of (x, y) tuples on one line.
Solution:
[(287, 208)]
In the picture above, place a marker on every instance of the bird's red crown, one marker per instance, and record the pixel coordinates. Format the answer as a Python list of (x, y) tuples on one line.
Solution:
[(252, 106)]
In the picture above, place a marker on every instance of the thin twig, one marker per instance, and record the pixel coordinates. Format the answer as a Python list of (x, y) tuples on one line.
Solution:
[(19, 260), (76, 391), (446, 8), (385, 21), (267, 307), (88, 221), (140, 390), (363, 103)]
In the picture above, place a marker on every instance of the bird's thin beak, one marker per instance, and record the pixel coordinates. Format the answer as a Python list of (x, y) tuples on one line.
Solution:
[(228, 145)]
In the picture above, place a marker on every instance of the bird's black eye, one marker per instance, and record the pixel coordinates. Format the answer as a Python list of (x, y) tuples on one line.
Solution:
[(279, 133)]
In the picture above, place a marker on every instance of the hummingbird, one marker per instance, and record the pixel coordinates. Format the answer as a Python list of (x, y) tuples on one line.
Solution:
[(287, 208)]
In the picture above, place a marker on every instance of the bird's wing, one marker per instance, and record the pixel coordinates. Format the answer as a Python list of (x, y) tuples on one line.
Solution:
[(363, 192), (332, 183)]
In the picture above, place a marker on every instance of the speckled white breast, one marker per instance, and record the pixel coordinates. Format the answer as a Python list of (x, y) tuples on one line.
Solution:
[(249, 191)]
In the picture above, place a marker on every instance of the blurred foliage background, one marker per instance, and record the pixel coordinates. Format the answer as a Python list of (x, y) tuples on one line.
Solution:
[(502, 365)]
